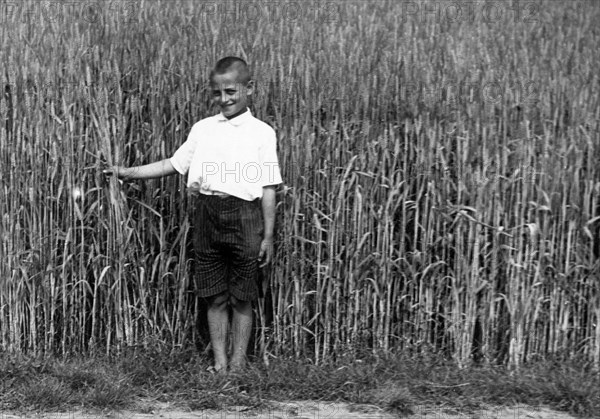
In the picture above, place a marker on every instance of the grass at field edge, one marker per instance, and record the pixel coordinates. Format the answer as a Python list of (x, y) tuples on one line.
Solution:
[(396, 384)]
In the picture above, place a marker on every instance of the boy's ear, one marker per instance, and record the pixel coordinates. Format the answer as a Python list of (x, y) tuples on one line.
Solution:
[(250, 87)]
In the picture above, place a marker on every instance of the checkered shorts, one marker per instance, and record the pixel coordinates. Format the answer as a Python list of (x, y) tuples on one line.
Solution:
[(227, 235)]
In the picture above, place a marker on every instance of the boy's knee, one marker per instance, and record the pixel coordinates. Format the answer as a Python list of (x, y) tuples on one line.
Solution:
[(219, 300), (237, 303)]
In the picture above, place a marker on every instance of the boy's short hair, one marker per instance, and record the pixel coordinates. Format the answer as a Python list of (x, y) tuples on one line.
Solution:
[(232, 64)]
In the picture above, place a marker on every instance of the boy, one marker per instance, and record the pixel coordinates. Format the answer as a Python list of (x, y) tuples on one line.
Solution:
[(233, 171)]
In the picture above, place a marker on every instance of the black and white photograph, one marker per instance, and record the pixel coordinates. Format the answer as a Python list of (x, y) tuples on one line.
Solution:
[(300, 209)]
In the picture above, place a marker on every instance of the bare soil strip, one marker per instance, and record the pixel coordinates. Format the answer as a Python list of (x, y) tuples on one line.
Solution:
[(305, 410)]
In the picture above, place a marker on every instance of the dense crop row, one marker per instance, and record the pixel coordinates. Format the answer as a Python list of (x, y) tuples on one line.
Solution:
[(441, 177)]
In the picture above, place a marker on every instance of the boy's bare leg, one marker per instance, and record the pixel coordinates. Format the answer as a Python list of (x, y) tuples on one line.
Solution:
[(218, 325), (242, 328)]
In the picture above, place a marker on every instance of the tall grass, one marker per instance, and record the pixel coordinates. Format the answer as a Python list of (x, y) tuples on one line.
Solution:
[(417, 216)]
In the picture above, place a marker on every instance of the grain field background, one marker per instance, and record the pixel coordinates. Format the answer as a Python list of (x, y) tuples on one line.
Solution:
[(441, 175)]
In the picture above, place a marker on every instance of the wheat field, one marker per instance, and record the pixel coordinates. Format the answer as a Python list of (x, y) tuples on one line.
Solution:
[(441, 176)]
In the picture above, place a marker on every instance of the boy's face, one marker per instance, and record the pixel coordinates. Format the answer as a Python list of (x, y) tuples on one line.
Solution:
[(229, 94)]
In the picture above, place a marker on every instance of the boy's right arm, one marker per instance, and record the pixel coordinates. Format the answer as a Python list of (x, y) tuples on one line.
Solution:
[(147, 171)]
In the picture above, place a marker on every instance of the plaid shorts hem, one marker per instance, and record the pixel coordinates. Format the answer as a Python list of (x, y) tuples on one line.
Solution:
[(206, 292), (249, 292)]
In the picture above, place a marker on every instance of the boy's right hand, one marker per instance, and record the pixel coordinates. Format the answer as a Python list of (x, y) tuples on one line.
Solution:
[(117, 171)]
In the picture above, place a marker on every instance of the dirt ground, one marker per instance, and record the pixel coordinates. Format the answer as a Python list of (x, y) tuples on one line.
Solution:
[(306, 410)]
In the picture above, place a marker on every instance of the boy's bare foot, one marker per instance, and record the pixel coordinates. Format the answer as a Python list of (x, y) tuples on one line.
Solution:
[(237, 366), (217, 369)]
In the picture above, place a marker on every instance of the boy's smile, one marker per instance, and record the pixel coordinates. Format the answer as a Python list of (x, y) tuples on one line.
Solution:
[(229, 93)]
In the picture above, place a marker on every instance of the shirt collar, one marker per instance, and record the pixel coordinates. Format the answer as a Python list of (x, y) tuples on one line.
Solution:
[(238, 120)]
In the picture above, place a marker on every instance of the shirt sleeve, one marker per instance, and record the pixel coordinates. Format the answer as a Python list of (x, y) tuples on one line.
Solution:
[(182, 158), (270, 174)]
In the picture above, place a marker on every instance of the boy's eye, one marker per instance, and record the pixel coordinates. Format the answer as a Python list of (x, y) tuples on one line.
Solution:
[(229, 92)]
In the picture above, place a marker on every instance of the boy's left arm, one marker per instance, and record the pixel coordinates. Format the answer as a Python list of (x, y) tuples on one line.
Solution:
[(268, 209)]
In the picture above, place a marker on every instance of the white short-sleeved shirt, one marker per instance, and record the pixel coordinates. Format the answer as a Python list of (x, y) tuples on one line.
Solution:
[(235, 156)]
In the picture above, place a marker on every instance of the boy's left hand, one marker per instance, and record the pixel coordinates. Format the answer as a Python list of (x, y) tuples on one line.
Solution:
[(266, 252)]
